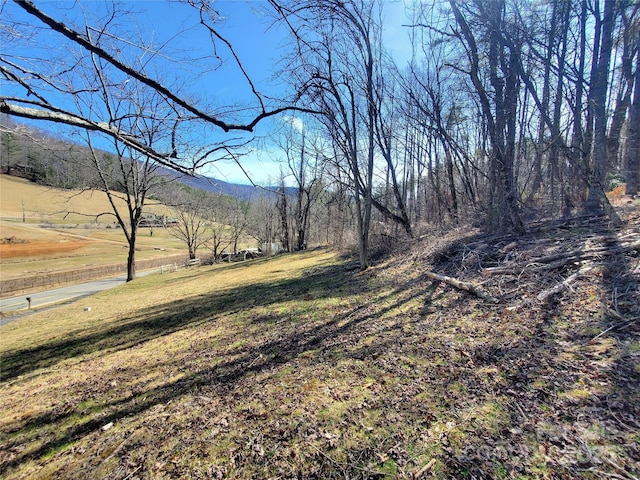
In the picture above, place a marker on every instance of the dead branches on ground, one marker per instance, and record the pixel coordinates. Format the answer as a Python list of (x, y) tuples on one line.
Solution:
[(560, 259), (466, 286)]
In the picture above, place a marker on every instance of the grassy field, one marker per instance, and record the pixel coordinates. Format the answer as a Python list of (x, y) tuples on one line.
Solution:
[(52, 239), (297, 367), (42, 204), (52, 249)]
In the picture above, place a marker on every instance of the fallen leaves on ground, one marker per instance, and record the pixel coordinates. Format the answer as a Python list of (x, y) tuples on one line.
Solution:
[(335, 373)]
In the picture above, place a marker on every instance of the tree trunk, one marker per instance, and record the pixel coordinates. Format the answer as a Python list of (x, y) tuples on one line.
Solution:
[(596, 198), (511, 93), (578, 138), (451, 180), (501, 125), (556, 167), (131, 257), (283, 210), (546, 87), (623, 100), (363, 238), (632, 164)]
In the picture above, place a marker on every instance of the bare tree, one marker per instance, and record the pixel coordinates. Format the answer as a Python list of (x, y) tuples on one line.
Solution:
[(386, 127), (306, 159), (498, 100), (430, 102), (129, 174), (218, 227), (334, 208), (129, 178), (282, 204), (238, 220), (336, 55), (192, 212), (49, 84), (597, 104), (625, 40), (265, 222), (632, 165)]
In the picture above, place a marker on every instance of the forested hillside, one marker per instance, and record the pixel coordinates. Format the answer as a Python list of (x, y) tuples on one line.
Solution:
[(43, 158), (493, 113)]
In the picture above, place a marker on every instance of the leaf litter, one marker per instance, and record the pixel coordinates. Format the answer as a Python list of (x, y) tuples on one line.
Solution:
[(384, 373)]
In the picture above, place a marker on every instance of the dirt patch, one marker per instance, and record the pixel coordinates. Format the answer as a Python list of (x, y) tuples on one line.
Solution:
[(36, 249)]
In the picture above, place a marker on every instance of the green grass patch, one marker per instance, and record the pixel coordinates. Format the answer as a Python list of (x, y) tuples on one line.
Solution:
[(295, 367)]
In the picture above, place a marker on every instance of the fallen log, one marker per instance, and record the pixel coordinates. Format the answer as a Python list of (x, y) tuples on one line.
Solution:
[(466, 286)]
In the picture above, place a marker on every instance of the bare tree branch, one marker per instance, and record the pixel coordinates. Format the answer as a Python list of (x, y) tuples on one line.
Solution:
[(68, 118), (81, 40)]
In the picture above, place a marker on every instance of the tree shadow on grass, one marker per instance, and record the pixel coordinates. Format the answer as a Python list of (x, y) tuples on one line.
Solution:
[(569, 388), (267, 353), (526, 369), (168, 318), (538, 363), (620, 329)]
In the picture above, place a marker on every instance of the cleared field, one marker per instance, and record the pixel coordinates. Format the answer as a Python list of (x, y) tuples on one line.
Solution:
[(51, 239), (25, 232), (38, 249), (34, 250), (42, 204)]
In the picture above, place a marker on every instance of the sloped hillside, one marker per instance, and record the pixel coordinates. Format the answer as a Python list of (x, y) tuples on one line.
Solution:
[(300, 367)]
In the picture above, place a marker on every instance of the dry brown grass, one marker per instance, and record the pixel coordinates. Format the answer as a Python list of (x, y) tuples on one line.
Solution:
[(63, 250), (38, 249), (69, 241), (52, 240), (43, 204), (294, 367)]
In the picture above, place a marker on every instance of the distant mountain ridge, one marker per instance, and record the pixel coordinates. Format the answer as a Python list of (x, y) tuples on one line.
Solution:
[(209, 184), (214, 185), (39, 156)]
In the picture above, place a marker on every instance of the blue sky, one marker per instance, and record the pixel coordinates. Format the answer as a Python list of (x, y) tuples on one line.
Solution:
[(257, 43)]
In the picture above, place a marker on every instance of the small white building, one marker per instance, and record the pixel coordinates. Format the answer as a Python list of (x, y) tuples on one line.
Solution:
[(272, 248)]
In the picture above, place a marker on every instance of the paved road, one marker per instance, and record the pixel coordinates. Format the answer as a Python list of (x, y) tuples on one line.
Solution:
[(13, 307)]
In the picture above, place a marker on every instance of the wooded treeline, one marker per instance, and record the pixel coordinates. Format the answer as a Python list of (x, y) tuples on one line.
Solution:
[(506, 110)]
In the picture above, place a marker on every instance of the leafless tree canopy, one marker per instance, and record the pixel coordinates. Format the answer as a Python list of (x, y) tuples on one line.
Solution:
[(499, 112), (47, 81)]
